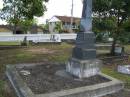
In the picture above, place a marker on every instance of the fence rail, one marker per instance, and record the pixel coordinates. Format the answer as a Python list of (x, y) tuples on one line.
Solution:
[(37, 37)]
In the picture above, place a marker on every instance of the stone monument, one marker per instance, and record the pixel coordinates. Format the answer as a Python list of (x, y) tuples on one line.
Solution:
[(83, 62)]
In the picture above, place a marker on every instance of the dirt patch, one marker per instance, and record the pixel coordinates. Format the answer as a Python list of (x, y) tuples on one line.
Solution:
[(42, 79), (41, 51)]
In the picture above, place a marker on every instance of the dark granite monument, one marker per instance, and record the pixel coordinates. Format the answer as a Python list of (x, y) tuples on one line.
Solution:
[(83, 62)]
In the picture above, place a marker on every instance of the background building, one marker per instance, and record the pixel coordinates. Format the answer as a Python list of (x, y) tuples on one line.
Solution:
[(63, 24)]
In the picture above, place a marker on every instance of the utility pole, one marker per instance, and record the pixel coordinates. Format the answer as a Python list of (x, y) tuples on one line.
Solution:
[(71, 26), (14, 12)]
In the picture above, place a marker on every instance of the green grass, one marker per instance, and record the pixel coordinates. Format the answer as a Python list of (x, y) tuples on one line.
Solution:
[(123, 77), (1, 88), (1, 84), (61, 54), (127, 48), (9, 43), (22, 55), (18, 55)]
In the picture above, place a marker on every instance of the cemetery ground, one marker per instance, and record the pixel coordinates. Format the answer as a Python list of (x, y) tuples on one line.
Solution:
[(51, 53)]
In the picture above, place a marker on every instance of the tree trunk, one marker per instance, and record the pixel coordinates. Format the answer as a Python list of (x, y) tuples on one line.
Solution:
[(113, 47), (14, 29)]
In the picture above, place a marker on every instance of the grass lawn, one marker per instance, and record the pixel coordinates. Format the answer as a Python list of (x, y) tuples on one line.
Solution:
[(41, 53), (115, 74), (31, 54), (9, 43)]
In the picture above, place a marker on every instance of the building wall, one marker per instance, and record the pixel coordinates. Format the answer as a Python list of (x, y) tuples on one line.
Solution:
[(66, 26), (52, 24)]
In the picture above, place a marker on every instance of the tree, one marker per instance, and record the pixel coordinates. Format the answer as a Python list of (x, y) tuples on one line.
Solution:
[(46, 27), (15, 11), (112, 15), (32, 8), (58, 27), (102, 27), (27, 24)]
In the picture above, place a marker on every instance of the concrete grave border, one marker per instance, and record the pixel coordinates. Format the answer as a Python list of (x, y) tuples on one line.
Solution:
[(97, 90)]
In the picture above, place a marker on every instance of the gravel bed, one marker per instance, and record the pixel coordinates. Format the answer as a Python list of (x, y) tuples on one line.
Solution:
[(42, 78)]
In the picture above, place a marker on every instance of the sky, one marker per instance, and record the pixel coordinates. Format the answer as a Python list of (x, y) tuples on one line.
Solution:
[(58, 7)]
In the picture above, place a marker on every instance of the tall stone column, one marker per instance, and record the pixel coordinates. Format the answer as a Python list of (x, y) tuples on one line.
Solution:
[(86, 20), (83, 62)]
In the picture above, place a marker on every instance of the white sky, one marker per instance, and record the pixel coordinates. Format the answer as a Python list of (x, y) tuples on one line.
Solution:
[(59, 7)]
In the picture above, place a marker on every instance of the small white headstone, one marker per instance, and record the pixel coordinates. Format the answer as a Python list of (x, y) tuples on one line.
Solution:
[(118, 50), (124, 69)]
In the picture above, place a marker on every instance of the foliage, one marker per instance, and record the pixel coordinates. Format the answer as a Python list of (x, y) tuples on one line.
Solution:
[(58, 27), (20, 12), (103, 27), (46, 27), (111, 15), (27, 23), (77, 23), (32, 8), (20, 9), (126, 25)]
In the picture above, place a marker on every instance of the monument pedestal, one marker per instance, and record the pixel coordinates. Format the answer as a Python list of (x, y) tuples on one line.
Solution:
[(83, 62), (83, 68), (85, 46)]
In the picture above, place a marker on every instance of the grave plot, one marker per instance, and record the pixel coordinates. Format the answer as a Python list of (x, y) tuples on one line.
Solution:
[(42, 80)]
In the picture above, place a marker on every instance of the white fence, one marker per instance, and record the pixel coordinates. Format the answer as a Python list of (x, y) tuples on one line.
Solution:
[(38, 37), (68, 36), (6, 33)]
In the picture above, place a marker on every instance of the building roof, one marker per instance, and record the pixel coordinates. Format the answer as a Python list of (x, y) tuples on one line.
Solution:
[(5, 28), (53, 19), (68, 19)]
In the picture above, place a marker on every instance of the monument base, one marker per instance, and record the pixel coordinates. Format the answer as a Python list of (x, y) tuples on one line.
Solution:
[(83, 68)]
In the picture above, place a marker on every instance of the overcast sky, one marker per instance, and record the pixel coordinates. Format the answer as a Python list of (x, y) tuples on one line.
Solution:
[(58, 7)]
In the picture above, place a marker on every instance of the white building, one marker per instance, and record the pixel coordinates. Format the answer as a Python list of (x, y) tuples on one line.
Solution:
[(65, 23)]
